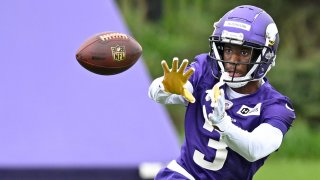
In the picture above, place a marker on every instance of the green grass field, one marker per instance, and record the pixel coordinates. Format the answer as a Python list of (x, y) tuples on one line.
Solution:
[(293, 169)]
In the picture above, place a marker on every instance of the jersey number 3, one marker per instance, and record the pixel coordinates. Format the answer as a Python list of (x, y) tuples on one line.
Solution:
[(221, 150)]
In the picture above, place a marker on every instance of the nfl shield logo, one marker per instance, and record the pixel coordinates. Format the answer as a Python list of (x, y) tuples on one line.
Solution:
[(118, 53)]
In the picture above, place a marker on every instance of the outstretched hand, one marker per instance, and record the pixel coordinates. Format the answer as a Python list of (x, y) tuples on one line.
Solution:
[(175, 79), (218, 104)]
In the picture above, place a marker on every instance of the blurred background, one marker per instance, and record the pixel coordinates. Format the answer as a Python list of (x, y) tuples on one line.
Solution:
[(181, 28), (59, 121)]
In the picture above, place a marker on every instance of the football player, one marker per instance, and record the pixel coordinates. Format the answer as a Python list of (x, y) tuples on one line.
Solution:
[(234, 118)]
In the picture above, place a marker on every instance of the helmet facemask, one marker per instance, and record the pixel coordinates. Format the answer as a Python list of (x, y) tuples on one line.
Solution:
[(257, 67)]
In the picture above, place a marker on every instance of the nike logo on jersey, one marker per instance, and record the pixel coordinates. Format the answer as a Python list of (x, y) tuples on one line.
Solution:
[(228, 104), (248, 111)]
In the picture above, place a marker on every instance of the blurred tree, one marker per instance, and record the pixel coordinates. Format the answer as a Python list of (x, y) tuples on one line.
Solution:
[(154, 10)]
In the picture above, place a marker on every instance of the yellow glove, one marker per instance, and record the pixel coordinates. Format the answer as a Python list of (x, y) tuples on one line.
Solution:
[(216, 88), (216, 92), (175, 79)]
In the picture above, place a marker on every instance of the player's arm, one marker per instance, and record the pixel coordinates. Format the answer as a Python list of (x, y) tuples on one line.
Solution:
[(254, 145), (173, 87)]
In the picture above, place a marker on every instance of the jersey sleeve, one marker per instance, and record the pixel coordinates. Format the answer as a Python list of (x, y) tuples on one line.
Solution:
[(280, 114), (157, 93), (204, 67)]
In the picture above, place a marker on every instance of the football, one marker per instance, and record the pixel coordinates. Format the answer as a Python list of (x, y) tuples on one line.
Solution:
[(109, 53)]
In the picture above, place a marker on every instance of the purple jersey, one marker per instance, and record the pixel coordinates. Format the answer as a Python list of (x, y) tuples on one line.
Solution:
[(217, 160)]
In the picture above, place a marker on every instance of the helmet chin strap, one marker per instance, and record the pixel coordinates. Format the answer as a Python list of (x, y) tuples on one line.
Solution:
[(241, 84), (237, 84)]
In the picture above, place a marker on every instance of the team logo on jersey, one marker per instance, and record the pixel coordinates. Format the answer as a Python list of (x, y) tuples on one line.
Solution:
[(248, 111), (228, 104), (118, 53)]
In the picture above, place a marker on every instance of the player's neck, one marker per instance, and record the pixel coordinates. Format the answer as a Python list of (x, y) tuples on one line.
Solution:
[(249, 88)]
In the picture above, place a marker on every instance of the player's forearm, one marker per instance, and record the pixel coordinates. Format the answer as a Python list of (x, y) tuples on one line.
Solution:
[(254, 145), (157, 93)]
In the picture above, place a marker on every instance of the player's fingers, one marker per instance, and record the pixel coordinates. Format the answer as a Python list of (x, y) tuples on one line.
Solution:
[(222, 92), (175, 63), (188, 73), (210, 116), (216, 92), (214, 105), (183, 66), (165, 66), (221, 98), (220, 106), (208, 96), (188, 96)]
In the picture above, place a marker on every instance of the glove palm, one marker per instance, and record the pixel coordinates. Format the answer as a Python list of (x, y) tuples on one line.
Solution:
[(175, 79)]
